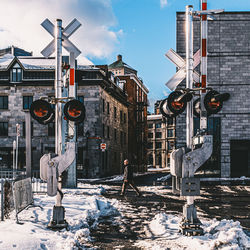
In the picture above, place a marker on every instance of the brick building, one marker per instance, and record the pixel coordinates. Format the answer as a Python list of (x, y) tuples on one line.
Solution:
[(137, 111), (161, 140), (228, 71), (25, 78)]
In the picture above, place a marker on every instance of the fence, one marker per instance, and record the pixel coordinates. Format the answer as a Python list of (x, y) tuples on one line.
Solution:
[(7, 178)]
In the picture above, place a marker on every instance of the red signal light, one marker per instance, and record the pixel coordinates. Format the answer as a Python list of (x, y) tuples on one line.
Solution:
[(74, 110), (41, 111), (213, 101), (177, 101)]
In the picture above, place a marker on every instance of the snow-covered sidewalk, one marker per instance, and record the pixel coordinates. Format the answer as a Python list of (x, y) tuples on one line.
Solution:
[(83, 208)]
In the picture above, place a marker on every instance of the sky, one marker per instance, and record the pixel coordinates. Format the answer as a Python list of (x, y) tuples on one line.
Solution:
[(142, 31)]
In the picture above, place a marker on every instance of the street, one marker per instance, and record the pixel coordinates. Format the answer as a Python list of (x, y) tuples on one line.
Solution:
[(216, 201)]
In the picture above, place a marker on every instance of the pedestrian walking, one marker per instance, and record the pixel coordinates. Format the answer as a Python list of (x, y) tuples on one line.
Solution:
[(128, 178)]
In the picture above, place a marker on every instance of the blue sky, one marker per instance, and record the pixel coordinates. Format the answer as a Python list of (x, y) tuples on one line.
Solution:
[(149, 32), (142, 31)]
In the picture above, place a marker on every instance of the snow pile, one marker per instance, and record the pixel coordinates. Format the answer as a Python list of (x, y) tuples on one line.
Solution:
[(164, 178), (164, 230), (84, 207), (226, 233), (116, 178)]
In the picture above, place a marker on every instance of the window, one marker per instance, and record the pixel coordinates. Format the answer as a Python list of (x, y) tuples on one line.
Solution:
[(150, 145), (27, 100), (125, 138), (3, 102), (108, 108), (3, 128), (158, 135), (150, 135), (170, 145), (24, 129), (115, 134), (158, 145), (120, 116), (121, 137), (124, 118), (150, 125), (103, 131), (108, 132), (170, 121), (51, 129), (170, 133), (16, 73), (103, 105), (114, 112), (158, 125)]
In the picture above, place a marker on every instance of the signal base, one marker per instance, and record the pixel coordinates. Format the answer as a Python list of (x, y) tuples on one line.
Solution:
[(58, 222)]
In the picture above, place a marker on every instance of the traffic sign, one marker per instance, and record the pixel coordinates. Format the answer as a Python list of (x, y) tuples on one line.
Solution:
[(181, 65), (66, 33), (103, 146)]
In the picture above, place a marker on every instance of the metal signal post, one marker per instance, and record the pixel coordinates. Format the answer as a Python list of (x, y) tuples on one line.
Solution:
[(73, 111), (185, 161)]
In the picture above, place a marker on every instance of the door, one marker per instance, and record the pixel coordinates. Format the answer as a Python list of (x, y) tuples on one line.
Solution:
[(240, 151)]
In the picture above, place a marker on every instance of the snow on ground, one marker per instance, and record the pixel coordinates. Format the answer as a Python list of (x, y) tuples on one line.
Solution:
[(83, 207), (163, 233)]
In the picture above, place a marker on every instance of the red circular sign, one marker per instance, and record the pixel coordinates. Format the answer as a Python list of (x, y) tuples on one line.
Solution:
[(103, 146)]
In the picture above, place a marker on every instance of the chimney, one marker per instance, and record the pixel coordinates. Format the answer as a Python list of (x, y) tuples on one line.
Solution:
[(12, 50), (119, 58)]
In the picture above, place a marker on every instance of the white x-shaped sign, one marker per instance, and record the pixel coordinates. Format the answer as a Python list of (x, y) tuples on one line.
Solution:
[(181, 64), (66, 33)]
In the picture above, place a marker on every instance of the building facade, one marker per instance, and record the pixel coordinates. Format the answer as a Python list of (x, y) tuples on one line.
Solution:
[(137, 111), (24, 79), (161, 140), (228, 72)]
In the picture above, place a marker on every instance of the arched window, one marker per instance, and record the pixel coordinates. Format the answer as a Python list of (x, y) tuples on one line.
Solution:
[(16, 73)]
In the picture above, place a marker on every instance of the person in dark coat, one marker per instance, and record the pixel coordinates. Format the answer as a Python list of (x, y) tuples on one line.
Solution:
[(128, 178)]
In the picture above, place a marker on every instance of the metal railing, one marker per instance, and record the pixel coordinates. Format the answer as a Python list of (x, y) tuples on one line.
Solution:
[(8, 177), (38, 185)]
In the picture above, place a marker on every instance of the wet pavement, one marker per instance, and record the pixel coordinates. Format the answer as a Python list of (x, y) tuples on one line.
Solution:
[(216, 201)]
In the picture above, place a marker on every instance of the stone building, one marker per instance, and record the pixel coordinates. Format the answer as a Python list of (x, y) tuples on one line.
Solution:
[(137, 111), (161, 140), (228, 71), (24, 79)]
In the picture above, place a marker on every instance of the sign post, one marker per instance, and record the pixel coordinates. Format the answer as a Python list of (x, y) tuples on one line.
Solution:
[(17, 136)]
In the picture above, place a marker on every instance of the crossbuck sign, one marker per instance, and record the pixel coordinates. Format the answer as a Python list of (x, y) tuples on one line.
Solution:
[(181, 65), (66, 33)]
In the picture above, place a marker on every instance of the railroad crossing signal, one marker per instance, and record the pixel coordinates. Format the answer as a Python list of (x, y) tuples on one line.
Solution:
[(66, 33), (42, 112), (181, 65), (213, 102), (175, 104), (74, 110)]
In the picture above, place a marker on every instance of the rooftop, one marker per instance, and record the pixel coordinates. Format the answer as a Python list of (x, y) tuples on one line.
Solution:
[(119, 64)]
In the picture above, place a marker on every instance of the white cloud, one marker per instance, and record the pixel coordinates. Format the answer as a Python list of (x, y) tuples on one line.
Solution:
[(20, 25), (163, 3)]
